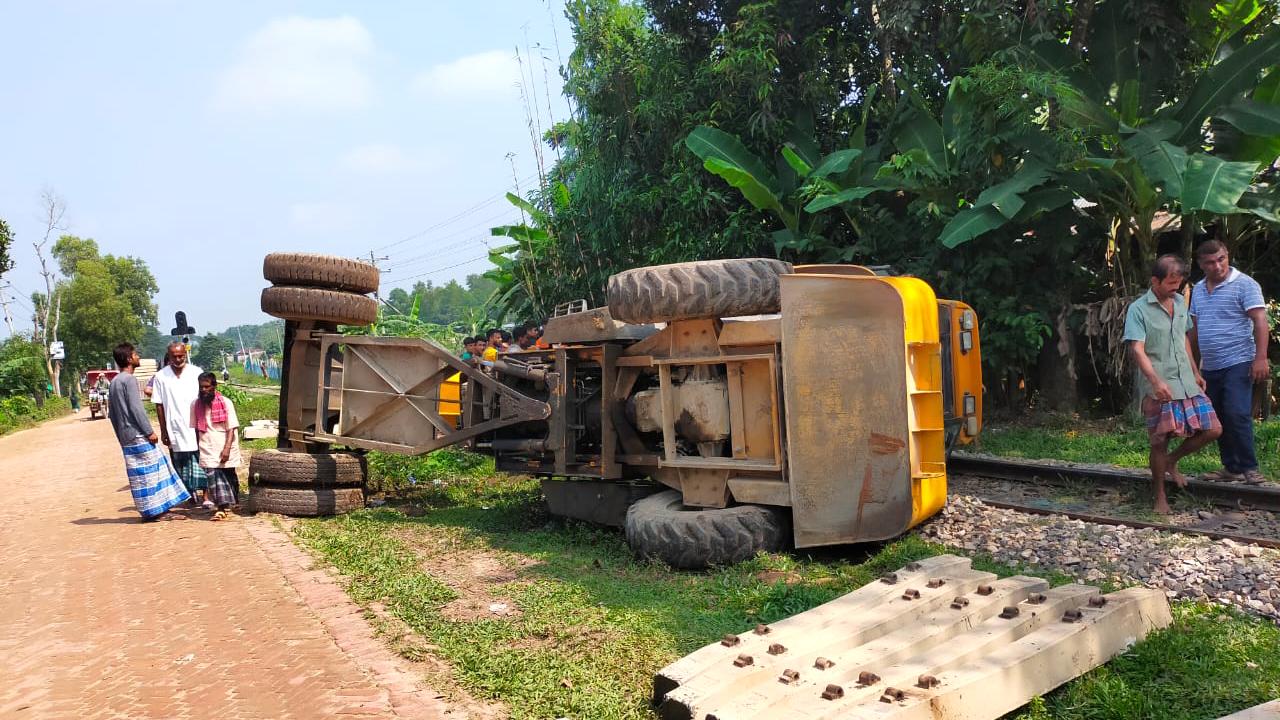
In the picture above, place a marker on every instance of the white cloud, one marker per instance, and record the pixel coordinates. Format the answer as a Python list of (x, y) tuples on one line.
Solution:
[(375, 159), (300, 63), (491, 75), (320, 218)]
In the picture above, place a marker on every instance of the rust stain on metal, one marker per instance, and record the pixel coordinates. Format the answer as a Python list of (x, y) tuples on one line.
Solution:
[(959, 603), (892, 695), (777, 649), (789, 676), (1010, 612), (761, 630), (936, 583), (928, 681), (823, 663), (743, 660), (889, 578), (866, 677), (730, 640), (833, 692), (911, 594), (885, 444), (985, 590)]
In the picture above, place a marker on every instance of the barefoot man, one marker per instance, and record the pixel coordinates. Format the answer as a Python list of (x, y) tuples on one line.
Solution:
[(1173, 398)]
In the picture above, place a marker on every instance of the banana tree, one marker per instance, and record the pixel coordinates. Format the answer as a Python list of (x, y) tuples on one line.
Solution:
[(797, 194)]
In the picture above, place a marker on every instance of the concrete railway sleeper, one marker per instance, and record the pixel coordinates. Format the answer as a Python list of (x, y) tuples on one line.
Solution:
[(934, 640)]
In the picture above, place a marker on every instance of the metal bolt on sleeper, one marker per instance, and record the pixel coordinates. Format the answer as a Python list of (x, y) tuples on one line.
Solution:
[(911, 594), (743, 661), (866, 677), (823, 663), (893, 695), (833, 692)]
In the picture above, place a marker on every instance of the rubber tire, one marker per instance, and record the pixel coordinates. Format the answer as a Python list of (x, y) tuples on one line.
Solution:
[(658, 527), (320, 271), (304, 502), (703, 289), (301, 303), (316, 470)]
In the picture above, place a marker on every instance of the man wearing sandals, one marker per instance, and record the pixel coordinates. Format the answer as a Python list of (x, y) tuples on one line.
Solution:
[(154, 485), (1230, 340), (215, 421), (1173, 402)]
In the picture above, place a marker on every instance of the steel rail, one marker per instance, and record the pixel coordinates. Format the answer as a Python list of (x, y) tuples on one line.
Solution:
[(1108, 520), (1234, 496)]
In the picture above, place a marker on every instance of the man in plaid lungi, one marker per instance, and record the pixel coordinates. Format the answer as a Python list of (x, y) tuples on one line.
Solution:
[(1173, 399), (174, 396)]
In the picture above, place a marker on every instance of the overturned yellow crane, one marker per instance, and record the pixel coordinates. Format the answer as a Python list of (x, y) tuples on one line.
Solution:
[(714, 408)]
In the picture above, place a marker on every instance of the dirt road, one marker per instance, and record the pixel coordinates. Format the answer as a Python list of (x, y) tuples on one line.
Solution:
[(102, 616)]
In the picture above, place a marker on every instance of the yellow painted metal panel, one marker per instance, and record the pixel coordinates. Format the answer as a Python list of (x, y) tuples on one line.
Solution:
[(450, 405)]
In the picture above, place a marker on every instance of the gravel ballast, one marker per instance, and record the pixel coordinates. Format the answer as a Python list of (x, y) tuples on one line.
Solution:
[(1185, 566)]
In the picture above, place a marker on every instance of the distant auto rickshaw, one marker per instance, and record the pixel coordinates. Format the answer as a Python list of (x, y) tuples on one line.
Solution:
[(98, 382)]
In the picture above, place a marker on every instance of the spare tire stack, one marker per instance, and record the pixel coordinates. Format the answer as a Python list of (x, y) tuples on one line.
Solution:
[(322, 291)]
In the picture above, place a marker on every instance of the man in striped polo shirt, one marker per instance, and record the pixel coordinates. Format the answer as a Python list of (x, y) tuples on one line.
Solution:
[(1230, 340)]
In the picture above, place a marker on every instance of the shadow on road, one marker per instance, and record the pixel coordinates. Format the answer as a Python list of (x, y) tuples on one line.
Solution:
[(107, 521)]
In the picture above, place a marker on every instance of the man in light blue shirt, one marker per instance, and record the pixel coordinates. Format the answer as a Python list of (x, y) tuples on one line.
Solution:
[(1230, 340)]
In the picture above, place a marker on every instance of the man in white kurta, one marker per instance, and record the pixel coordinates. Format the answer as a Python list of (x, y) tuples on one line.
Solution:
[(176, 388)]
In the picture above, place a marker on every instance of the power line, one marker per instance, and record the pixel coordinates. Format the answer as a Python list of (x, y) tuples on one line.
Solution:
[(454, 218), (434, 252), (438, 270), (438, 253)]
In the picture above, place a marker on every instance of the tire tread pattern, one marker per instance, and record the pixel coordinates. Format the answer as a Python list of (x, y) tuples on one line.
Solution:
[(303, 501), (687, 291), (659, 528), (316, 470), (320, 271), (303, 303)]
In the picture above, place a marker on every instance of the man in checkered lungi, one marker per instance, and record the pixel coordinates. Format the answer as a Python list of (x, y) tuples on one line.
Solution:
[(174, 395), (1173, 399)]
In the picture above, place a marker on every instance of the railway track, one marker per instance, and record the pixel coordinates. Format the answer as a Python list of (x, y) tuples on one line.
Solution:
[(1236, 497)]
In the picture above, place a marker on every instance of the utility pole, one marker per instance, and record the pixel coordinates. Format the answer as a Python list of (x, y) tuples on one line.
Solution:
[(374, 261), (4, 303), (57, 364)]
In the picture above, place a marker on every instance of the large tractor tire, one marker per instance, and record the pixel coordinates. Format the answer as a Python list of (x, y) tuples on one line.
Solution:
[(321, 271), (704, 289), (315, 470), (335, 306), (304, 502), (660, 527)]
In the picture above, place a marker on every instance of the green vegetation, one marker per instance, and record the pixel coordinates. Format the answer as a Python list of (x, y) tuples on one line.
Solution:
[(18, 412), (1014, 157), (252, 406), (240, 377), (590, 624), (458, 306), (104, 299), (1114, 442)]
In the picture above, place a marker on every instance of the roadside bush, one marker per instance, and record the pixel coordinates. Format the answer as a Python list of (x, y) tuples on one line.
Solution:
[(20, 411)]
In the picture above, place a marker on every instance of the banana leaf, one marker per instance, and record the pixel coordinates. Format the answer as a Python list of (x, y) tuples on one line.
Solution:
[(1224, 81), (1215, 185), (969, 224), (1161, 160)]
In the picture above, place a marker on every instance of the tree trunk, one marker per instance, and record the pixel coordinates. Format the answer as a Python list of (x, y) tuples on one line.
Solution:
[(1056, 369), (1080, 25)]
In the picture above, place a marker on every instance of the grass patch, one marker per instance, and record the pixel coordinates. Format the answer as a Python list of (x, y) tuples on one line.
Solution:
[(592, 624), (1114, 442)]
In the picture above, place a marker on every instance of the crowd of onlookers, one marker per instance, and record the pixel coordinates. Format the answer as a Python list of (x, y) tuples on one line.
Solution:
[(483, 350)]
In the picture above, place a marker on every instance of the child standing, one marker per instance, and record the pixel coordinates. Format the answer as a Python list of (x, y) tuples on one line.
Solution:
[(216, 426)]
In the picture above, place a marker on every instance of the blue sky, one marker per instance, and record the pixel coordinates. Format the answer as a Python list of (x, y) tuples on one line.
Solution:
[(200, 136)]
